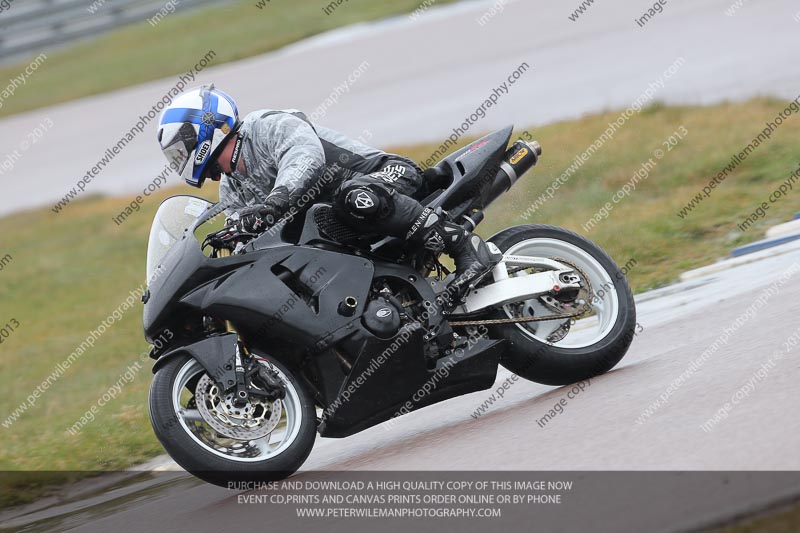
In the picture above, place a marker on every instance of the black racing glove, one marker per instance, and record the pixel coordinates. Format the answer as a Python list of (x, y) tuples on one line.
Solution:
[(259, 218)]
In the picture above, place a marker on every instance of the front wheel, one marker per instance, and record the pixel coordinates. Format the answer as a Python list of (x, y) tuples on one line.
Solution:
[(215, 439), (562, 351)]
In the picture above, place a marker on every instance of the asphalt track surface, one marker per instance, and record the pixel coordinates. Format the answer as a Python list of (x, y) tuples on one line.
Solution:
[(425, 77), (753, 450)]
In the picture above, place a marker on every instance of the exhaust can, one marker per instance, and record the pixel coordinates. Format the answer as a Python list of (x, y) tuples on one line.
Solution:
[(520, 157)]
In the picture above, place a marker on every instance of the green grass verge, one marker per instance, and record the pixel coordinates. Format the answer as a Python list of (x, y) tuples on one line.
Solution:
[(69, 271), (139, 53), (777, 520)]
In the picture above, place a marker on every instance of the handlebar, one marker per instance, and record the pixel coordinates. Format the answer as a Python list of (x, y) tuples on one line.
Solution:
[(228, 237)]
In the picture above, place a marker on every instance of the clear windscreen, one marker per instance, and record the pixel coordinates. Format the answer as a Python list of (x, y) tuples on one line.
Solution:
[(174, 216)]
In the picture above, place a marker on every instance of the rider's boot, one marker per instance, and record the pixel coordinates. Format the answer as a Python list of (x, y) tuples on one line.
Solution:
[(471, 254)]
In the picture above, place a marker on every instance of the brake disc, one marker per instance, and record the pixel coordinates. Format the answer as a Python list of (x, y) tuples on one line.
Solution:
[(255, 420)]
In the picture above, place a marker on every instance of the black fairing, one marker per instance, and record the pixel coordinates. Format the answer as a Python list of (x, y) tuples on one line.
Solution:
[(473, 169), (403, 382), (183, 268), (289, 292)]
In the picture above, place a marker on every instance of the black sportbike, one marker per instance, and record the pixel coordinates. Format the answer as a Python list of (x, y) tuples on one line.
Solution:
[(311, 328)]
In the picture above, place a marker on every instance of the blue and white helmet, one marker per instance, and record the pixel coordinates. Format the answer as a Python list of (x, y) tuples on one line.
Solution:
[(193, 129)]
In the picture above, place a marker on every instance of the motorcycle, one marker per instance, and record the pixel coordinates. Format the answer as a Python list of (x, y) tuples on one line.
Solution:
[(311, 328)]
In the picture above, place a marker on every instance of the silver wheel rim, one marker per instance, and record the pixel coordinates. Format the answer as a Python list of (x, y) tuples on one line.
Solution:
[(268, 447), (605, 303)]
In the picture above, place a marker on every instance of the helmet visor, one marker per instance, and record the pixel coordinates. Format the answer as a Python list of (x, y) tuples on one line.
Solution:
[(180, 147)]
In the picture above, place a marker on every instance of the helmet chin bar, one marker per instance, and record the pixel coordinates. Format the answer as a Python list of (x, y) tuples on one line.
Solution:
[(213, 172)]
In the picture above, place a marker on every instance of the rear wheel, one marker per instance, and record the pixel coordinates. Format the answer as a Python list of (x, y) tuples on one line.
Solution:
[(562, 351), (206, 433)]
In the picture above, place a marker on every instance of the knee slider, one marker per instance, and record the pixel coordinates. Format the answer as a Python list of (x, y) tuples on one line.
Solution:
[(365, 202)]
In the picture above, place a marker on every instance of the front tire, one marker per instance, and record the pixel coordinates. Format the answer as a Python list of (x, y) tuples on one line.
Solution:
[(563, 362), (195, 445)]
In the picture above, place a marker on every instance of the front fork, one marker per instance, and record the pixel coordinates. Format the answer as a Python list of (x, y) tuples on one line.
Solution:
[(270, 385)]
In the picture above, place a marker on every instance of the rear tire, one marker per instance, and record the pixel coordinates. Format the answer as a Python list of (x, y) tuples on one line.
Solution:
[(187, 450), (547, 363)]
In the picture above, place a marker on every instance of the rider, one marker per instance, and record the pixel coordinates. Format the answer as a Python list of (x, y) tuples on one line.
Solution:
[(268, 161)]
